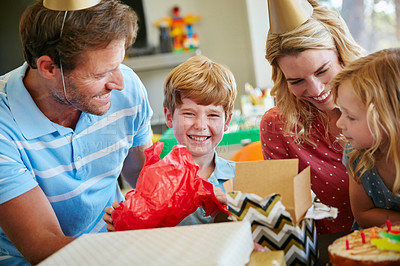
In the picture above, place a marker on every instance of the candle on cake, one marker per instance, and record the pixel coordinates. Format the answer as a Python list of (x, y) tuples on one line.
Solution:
[(388, 225), (363, 236), (373, 233)]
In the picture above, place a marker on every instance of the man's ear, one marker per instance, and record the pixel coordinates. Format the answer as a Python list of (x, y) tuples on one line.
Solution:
[(168, 117), (227, 122), (46, 67)]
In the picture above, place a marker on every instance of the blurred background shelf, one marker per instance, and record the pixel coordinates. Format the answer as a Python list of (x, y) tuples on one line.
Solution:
[(152, 70), (229, 145), (158, 61)]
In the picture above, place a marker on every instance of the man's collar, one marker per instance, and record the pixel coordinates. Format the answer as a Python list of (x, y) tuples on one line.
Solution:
[(32, 122)]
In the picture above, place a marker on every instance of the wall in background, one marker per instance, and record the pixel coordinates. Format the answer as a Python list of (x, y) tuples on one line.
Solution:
[(258, 26), (11, 55), (231, 32)]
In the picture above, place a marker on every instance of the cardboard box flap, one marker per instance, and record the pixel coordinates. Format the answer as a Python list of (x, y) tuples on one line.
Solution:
[(276, 176), (302, 194)]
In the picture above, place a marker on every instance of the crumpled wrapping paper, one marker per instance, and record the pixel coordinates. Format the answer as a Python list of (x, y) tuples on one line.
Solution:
[(167, 191)]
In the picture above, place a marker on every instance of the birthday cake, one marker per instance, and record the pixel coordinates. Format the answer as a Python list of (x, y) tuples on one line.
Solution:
[(372, 246)]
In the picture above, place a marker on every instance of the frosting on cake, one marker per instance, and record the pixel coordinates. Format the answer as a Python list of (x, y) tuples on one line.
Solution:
[(364, 253)]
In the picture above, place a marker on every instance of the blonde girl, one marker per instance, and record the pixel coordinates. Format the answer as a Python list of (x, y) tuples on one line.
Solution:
[(368, 93)]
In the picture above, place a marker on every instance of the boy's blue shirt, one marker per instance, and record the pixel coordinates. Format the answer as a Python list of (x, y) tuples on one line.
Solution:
[(224, 170)]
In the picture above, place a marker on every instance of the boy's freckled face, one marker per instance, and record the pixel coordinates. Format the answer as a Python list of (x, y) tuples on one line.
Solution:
[(199, 127)]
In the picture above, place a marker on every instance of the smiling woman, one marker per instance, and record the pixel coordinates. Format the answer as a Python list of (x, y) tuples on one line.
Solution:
[(308, 74), (304, 59)]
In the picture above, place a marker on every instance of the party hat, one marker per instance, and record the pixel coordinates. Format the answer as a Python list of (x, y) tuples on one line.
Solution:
[(69, 5), (286, 15)]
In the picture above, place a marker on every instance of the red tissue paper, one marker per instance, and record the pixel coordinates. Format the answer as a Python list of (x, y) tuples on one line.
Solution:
[(166, 192)]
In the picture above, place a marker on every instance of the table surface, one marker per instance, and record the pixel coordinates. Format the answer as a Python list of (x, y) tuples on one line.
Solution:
[(323, 242)]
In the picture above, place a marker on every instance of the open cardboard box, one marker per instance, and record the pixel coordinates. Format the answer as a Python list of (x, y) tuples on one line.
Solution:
[(275, 176), (256, 184)]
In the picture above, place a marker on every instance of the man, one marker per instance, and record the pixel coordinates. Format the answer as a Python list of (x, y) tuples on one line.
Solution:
[(71, 119)]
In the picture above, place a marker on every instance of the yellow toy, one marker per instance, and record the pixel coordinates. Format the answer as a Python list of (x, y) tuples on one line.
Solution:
[(181, 30)]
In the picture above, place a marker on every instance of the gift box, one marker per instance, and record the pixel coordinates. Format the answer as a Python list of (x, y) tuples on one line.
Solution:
[(278, 202), (275, 176), (222, 244)]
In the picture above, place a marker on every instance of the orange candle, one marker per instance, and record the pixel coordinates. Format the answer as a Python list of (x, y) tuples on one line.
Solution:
[(363, 236), (347, 244), (373, 232)]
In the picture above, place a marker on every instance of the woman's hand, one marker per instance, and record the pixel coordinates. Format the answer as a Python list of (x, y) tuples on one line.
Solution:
[(107, 216)]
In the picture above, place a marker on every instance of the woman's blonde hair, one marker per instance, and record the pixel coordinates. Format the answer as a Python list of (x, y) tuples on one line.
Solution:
[(203, 81), (324, 30), (376, 82)]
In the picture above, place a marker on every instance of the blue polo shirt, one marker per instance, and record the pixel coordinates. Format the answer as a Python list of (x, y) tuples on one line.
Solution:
[(76, 169)]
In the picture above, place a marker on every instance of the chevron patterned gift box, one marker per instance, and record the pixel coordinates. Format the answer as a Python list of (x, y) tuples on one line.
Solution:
[(280, 205), (273, 228)]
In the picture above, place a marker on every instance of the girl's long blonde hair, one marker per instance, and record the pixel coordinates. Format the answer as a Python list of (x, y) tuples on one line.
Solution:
[(376, 82), (324, 30)]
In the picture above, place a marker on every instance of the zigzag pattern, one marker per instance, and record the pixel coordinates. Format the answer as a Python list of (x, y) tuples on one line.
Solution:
[(273, 228)]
